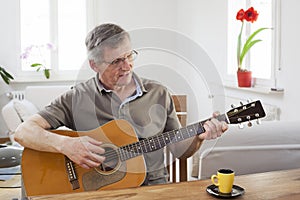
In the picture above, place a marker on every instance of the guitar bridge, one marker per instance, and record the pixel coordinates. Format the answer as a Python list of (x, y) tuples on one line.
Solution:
[(71, 173)]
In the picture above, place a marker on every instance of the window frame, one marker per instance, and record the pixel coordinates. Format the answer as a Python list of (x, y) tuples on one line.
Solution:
[(58, 74), (230, 79)]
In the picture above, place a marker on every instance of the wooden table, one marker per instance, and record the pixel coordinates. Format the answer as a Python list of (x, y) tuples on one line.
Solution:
[(271, 185)]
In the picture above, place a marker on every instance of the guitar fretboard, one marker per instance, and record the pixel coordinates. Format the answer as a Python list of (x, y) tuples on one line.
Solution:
[(159, 141)]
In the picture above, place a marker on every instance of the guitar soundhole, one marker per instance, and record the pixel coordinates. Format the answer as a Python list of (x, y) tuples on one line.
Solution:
[(111, 162)]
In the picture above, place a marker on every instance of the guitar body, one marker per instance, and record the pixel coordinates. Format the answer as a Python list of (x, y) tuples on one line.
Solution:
[(47, 173)]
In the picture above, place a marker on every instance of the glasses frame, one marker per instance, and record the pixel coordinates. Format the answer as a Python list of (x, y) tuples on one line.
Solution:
[(117, 61)]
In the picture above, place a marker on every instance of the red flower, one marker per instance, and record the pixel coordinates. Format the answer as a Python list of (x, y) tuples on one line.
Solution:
[(240, 15), (251, 15)]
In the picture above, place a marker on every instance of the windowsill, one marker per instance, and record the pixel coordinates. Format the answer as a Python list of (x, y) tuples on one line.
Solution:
[(21, 80), (255, 89), (35, 77)]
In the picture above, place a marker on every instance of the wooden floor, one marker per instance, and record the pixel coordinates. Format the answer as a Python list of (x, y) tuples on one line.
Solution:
[(10, 189), (4, 140)]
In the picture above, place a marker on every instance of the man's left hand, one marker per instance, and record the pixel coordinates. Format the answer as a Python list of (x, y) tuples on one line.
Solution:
[(213, 128)]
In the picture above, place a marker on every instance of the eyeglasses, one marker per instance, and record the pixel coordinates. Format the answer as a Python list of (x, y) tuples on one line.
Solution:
[(131, 56)]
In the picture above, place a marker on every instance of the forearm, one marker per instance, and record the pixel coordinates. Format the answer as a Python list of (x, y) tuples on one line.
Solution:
[(195, 144), (186, 148), (33, 134)]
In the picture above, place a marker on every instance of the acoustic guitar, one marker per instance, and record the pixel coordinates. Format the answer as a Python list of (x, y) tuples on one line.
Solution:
[(124, 166)]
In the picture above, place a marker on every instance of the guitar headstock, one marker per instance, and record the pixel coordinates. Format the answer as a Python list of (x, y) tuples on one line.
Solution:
[(245, 113)]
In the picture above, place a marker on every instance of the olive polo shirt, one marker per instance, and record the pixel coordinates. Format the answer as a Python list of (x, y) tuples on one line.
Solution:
[(150, 110)]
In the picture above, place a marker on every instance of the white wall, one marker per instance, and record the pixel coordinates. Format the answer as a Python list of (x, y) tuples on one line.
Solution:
[(200, 22), (207, 26)]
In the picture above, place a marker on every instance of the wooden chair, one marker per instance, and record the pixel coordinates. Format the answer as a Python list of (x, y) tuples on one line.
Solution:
[(180, 102)]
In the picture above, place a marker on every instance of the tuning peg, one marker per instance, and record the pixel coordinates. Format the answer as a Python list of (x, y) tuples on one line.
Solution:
[(249, 124), (241, 126), (232, 106), (258, 121), (249, 100), (241, 103)]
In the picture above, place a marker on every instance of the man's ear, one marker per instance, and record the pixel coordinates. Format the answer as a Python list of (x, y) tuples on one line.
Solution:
[(93, 66)]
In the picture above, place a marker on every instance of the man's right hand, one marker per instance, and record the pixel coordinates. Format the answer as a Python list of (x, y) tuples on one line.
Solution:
[(84, 151)]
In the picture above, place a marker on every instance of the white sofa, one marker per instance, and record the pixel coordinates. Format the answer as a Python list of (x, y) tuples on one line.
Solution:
[(272, 145)]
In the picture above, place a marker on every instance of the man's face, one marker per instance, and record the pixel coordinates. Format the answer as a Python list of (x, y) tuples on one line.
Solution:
[(116, 74)]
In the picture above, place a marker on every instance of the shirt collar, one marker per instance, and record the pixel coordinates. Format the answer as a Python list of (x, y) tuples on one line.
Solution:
[(139, 85)]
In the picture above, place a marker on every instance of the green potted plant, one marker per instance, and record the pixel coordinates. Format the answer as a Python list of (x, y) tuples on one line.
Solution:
[(7, 77), (245, 76)]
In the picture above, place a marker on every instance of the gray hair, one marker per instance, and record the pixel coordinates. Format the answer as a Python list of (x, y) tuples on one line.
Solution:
[(105, 35)]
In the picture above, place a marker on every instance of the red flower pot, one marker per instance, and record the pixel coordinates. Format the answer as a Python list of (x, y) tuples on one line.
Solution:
[(244, 78)]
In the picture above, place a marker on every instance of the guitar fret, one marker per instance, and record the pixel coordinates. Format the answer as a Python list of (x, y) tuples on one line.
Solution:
[(147, 145), (131, 150), (138, 146), (171, 136), (192, 130), (165, 139), (144, 146), (200, 128), (120, 150), (182, 136), (128, 151), (125, 153), (176, 136), (158, 141), (152, 144), (184, 133), (159, 137)]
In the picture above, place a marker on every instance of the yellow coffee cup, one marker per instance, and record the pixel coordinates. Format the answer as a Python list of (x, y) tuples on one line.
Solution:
[(224, 180)]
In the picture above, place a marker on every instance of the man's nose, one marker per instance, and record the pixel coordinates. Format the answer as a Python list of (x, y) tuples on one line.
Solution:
[(126, 64)]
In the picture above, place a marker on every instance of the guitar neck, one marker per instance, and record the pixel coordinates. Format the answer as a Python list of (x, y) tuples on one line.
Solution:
[(159, 141)]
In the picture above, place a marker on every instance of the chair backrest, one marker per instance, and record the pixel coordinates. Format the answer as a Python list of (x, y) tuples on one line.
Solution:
[(180, 172)]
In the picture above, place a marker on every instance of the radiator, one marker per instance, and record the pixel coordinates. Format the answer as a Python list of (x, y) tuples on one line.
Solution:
[(20, 95)]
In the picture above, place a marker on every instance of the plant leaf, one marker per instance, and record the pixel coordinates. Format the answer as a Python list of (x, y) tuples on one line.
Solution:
[(253, 35), (8, 75), (5, 79), (38, 69), (36, 64), (248, 44), (47, 73), (247, 48)]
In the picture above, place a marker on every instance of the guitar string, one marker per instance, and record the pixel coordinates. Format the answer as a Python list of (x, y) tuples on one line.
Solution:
[(136, 149), (160, 140), (166, 138)]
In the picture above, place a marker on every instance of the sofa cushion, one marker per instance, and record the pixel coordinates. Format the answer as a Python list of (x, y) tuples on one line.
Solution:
[(24, 108), (10, 116)]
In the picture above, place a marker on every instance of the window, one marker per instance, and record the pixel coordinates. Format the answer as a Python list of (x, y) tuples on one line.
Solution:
[(261, 59), (53, 34)]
